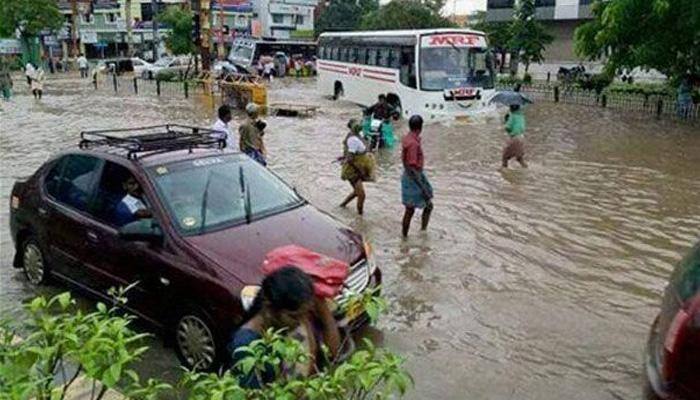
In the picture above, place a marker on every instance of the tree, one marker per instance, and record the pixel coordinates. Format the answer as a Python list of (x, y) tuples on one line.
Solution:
[(179, 40), (498, 34), (344, 15), (528, 36), (659, 34), (29, 17), (406, 14)]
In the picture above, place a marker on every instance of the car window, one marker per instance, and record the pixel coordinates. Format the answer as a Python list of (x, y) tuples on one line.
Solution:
[(214, 192), (119, 198), (77, 177), (52, 181)]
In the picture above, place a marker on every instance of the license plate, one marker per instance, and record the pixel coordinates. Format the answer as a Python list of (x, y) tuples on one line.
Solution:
[(464, 118)]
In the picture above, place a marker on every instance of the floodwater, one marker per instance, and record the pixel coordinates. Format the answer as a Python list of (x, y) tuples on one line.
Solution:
[(529, 284)]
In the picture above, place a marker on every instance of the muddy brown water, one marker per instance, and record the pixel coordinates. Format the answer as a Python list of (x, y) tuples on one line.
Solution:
[(529, 284)]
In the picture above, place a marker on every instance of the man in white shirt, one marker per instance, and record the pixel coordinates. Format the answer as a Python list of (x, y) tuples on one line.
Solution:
[(222, 126), (83, 66)]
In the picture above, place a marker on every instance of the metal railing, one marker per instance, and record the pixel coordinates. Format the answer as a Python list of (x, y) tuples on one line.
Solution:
[(659, 106)]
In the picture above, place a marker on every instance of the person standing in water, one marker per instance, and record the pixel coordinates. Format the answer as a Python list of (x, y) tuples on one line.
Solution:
[(222, 126), (251, 135), (5, 77), (416, 191), (515, 127), (83, 66), (38, 83), (357, 165)]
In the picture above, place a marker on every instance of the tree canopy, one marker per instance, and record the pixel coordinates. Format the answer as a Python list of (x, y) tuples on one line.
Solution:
[(344, 15), (659, 34), (179, 41), (31, 16), (528, 36), (406, 14)]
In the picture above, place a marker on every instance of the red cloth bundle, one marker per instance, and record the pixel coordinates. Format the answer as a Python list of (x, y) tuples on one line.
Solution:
[(327, 273)]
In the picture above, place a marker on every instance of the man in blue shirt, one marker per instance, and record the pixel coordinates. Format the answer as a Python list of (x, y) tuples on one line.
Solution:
[(132, 206)]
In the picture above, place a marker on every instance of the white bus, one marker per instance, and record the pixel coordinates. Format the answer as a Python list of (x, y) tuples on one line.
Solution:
[(437, 73)]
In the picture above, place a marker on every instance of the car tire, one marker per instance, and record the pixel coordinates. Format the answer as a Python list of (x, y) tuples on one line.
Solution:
[(196, 342), (34, 262)]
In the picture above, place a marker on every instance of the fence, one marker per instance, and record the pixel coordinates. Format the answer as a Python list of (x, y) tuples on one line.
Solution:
[(136, 85), (659, 106)]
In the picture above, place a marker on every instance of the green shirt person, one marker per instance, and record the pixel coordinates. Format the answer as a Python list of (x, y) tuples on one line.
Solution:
[(515, 126), (515, 147)]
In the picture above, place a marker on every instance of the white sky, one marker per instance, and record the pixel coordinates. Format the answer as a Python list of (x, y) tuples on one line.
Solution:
[(464, 6)]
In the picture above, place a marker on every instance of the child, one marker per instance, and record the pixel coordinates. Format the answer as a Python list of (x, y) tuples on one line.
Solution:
[(515, 127)]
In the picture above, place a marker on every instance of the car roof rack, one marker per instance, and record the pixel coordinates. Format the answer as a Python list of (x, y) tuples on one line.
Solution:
[(149, 140)]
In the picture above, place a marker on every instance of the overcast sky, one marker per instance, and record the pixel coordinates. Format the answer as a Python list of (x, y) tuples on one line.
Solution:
[(464, 6)]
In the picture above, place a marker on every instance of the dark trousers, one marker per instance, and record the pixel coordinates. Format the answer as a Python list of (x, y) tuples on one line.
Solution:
[(83, 72)]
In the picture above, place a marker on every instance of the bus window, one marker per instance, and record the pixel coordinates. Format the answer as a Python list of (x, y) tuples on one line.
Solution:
[(383, 57), (393, 59), (372, 57), (322, 52), (362, 56), (334, 53), (353, 55), (407, 72)]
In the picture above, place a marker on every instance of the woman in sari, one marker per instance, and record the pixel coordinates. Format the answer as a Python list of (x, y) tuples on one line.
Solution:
[(357, 165)]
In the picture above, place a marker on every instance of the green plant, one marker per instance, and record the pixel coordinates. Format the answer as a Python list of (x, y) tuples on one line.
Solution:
[(369, 373), (64, 341), (369, 300), (167, 76)]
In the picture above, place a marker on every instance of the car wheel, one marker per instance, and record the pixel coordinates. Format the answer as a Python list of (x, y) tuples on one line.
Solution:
[(195, 341), (34, 262)]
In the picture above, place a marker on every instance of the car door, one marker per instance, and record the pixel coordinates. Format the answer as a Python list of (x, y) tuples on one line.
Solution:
[(68, 188), (145, 268)]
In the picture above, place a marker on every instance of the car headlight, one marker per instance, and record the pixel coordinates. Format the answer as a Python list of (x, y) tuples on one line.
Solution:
[(248, 295), (371, 263)]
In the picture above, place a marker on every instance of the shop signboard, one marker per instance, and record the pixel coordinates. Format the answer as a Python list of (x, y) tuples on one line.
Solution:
[(10, 46), (88, 37)]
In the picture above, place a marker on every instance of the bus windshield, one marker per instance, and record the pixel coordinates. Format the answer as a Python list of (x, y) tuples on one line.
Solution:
[(454, 67)]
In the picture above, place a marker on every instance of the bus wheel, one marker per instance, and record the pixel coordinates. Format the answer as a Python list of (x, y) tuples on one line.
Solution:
[(395, 103), (338, 91)]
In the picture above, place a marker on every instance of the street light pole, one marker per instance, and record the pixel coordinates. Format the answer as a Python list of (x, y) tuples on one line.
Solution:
[(74, 29), (205, 32), (154, 11), (129, 33)]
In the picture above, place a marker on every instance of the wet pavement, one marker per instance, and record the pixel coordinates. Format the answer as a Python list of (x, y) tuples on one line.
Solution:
[(530, 284)]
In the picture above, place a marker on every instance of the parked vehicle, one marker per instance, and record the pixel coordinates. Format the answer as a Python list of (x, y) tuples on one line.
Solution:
[(122, 65), (222, 68), (193, 251), (170, 65), (673, 349)]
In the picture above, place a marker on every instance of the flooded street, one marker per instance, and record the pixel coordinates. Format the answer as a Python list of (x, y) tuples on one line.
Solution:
[(529, 284)]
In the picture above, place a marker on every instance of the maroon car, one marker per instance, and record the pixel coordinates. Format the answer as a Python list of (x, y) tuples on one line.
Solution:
[(188, 222), (673, 349)]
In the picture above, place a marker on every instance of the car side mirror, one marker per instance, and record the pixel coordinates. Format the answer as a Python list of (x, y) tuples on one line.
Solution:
[(142, 230)]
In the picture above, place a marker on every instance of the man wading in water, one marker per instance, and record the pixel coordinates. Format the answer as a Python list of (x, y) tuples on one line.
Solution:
[(416, 191)]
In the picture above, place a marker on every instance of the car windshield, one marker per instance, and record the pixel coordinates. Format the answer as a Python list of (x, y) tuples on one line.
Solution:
[(219, 191), (163, 62), (686, 277), (455, 67), (242, 53)]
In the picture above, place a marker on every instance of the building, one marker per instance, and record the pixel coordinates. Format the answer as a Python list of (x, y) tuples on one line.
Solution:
[(561, 17), (285, 19), (231, 18)]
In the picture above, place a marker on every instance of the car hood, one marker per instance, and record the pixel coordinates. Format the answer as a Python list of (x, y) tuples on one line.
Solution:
[(240, 250)]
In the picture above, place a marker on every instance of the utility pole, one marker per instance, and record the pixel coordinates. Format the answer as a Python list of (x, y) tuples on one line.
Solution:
[(74, 29), (154, 11), (205, 32), (221, 49), (129, 33)]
